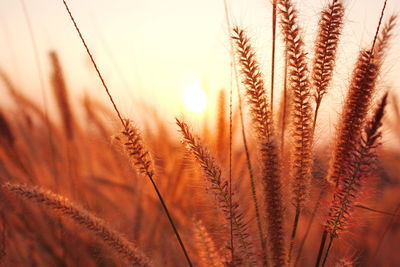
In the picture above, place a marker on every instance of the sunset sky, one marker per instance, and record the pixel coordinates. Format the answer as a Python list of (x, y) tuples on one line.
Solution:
[(153, 51)]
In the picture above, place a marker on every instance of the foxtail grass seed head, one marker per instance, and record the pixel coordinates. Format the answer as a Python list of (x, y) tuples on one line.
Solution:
[(302, 117), (263, 125), (220, 188), (329, 31), (354, 113), (356, 175), (61, 94), (116, 241), (134, 145)]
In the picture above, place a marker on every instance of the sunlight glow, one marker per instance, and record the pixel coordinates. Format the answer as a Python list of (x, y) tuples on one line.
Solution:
[(195, 98)]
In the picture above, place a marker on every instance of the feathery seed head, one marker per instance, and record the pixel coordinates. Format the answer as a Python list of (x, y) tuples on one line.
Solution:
[(358, 169), (134, 145), (112, 238)]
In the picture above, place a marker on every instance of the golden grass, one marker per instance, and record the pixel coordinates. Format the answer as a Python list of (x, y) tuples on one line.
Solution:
[(214, 215)]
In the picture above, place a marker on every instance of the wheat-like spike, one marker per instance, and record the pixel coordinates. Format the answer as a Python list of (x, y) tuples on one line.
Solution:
[(220, 188), (302, 112), (263, 124), (383, 40), (253, 80), (116, 241), (346, 165), (136, 149), (207, 249), (347, 191), (302, 118), (61, 94), (330, 27), (354, 113), (142, 160)]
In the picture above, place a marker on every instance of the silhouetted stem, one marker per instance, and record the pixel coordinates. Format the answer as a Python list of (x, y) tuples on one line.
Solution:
[(321, 248), (273, 54), (384, 234), (125, 125), (295, 223), (284, 111), (170, 220), (317, 105), (303, 241), (377, 211), (327, 251)]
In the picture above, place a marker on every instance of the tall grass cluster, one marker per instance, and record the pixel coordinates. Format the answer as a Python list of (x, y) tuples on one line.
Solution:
[(96, 190)]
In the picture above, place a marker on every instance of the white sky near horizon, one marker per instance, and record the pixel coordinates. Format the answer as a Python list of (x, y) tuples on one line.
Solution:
[(151, 51)]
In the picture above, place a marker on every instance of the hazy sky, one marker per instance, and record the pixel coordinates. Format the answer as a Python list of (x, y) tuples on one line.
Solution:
[(153, 50)]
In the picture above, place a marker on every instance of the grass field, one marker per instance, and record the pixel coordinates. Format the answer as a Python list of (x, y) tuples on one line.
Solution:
[(250, 185)]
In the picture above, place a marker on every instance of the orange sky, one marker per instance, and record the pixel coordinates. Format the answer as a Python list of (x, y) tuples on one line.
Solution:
[(153, 50)]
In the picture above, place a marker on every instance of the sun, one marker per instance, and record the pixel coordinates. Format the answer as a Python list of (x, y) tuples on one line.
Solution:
[(195, 98)]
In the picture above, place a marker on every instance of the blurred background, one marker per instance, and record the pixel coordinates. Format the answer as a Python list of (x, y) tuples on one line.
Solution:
[(173, 55), (163, 59)]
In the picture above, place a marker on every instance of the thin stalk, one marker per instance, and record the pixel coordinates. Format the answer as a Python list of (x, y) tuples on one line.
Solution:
[(295, 224), (246, 149), (230, 170), (379, 26), (317, 105), (321, 248), (283, 127), (125, 125), (328, 250), (382, 237), (230, 165), (171, 221), (273, 54), (375, 210), (94, 64), (303, 241), (253, 188), (42, 86), (230, 139)]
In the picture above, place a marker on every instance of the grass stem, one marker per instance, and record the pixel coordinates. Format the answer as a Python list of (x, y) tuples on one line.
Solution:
[(171, 220), (125, 125), (321, 247), (303, 241), (273, 54), (295, 224), (328, 250)]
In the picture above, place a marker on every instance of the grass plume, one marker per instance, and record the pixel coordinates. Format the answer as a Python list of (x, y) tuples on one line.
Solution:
[(220, 188), (353, 180), (301, 112), (263, 125), (355, 110), (329, 31), (302, 130), (384, 38), (61, 94), (275, 218), (81, 216), (350, 185)]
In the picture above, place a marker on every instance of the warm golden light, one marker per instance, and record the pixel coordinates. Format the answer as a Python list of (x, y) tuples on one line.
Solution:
[(195, 99)]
